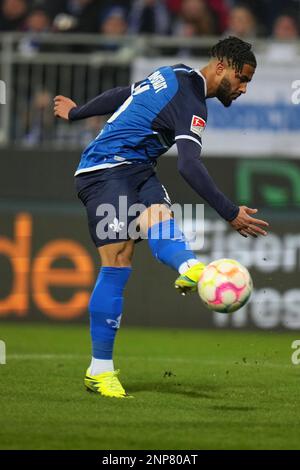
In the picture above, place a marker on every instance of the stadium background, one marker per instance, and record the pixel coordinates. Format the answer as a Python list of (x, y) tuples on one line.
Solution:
[(47, 262), (196, 385)]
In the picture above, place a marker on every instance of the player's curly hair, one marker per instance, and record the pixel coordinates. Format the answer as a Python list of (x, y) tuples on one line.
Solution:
[(235, 51)]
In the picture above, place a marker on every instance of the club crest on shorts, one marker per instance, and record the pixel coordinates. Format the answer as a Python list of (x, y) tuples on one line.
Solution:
[(197, 125)]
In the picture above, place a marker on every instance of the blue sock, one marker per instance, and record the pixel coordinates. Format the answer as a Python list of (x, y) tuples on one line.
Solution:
[(106, 305), (168, 244)]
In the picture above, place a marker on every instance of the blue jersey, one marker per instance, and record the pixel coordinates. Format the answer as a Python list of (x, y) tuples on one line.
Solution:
[(168, 105)]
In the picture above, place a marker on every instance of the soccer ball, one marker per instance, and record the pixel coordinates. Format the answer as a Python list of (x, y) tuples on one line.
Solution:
[(225, 286)]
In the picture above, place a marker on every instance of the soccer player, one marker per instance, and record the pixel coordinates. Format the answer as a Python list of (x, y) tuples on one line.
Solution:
[(149, 117)]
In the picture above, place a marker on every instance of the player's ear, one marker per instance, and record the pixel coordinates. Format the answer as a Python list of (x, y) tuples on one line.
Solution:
[(220, 67)]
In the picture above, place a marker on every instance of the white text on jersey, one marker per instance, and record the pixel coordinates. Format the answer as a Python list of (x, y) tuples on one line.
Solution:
[(158, 82)]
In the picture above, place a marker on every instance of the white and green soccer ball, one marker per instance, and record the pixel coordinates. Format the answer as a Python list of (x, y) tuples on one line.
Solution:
[(225, 285)]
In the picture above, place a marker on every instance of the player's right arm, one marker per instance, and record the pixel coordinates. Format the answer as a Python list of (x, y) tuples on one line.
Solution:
[(188, 115), (106, 103), (196, 175)]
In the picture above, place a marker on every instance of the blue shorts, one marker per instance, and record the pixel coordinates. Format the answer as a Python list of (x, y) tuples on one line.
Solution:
[(115, 197)]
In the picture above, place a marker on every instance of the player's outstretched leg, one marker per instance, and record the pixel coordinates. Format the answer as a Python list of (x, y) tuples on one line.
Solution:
[(168, 245), (106, 306)]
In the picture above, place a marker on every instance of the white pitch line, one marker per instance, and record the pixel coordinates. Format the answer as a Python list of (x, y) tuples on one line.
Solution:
[(27, 357), (42, 357)]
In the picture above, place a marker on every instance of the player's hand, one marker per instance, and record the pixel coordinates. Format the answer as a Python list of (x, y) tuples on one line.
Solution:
[(62, 106), (246, 225)]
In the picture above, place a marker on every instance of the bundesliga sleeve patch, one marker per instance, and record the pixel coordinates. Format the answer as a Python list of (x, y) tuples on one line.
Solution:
[(197, 125)]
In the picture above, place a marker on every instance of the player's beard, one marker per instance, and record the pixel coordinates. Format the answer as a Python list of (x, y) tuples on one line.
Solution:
[(224, 92)]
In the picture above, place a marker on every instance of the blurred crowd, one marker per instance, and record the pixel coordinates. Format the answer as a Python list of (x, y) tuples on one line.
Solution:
[(279, 19), (35, 124)]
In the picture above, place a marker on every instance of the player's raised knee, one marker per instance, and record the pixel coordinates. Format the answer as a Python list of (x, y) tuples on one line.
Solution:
[(153, 215)]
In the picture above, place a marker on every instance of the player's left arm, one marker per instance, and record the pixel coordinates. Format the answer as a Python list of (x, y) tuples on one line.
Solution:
[(106, 103)]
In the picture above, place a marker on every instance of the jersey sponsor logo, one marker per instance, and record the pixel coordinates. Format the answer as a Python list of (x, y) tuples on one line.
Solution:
[(197, 125)]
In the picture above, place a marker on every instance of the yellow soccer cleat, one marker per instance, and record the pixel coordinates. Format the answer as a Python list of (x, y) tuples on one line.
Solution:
[(106, 384), (188, 281)]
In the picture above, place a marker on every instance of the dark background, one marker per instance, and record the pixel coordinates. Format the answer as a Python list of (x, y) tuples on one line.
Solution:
[(42, 184)]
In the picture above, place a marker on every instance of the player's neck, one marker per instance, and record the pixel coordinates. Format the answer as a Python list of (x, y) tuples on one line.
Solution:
[(209, 76)]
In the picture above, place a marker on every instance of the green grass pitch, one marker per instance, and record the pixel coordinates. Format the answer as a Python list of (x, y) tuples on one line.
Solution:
[(192, 389)]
